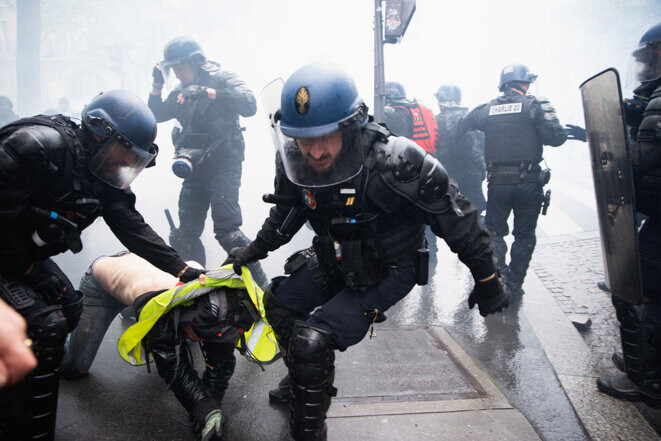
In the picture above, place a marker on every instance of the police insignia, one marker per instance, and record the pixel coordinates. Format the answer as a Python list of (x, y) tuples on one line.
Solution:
[(309, 199), (303, 100)]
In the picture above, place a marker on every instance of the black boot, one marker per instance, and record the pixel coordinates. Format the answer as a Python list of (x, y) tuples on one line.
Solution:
[(280, 395), (641, 349), (310, 360)]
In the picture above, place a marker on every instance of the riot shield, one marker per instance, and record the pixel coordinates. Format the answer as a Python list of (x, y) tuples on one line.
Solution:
[(613, 183)]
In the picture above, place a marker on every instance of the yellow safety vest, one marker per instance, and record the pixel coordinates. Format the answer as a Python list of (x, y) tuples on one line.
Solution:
[(260, 343)]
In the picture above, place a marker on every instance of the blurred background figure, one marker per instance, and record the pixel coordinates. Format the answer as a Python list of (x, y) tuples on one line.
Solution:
[(208, 142), (463, 158), (7, 114)]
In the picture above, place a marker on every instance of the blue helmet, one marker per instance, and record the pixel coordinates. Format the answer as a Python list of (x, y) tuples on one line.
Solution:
[(127, 129), (645, 64), (395, 91), (316, 98), (448, 92), (186, 49), (515, 72)]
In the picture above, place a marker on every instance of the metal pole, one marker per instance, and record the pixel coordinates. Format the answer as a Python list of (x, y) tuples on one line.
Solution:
[(27, 57), (379, 76)]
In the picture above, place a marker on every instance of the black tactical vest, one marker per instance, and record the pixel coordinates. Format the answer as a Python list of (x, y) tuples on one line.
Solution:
[(511, 133)]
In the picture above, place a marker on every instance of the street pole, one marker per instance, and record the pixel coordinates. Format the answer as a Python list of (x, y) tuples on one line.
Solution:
[(28, 69), (379, 76)]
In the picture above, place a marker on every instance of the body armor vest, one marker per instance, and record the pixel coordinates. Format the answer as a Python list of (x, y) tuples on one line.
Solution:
[(511, 133)]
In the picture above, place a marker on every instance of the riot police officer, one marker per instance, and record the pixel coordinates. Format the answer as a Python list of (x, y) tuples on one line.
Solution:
[(516, 127), (640, 325), (368, 196), (57, 178), (209, 146), (462, 158)]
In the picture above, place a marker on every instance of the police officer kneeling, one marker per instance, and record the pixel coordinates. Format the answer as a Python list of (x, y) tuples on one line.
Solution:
[(56, 179), (368, 196)]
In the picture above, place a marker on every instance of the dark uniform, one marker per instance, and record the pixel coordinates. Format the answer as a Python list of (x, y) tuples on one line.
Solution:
[(369, 228), (640, 325), (516, 127), (211, 139), (463, 158), (49, 196)]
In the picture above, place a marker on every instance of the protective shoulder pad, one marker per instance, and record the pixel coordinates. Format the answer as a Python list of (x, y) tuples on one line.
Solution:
[(39, 145), (412, 173), (649, 130)]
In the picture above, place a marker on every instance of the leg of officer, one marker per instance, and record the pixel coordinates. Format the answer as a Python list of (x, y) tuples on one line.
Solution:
[(500, 199), (28, 409), (528, 202), (193, 208), (99, 311)]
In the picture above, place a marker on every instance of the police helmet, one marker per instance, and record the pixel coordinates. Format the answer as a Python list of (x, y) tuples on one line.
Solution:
[(321, 100), (395, 91), (515, 72), (645, 64), (127, 129), (447, 93), (185, 49), (5, 103)]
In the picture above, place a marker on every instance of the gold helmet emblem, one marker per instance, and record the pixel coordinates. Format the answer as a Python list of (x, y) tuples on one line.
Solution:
[(303, 100)]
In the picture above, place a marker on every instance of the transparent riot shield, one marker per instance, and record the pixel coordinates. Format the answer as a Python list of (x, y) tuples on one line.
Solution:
[(271, 102), (613, 183)]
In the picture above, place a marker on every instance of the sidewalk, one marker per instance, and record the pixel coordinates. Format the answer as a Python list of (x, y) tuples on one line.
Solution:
[(564, 283)]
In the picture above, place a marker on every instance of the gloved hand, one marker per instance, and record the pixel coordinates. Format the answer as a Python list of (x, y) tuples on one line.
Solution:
[(50, 285), (489, 297), (190, 274), (192, 93), (576, 132), (213, 426), (241, 256), (157, 74)]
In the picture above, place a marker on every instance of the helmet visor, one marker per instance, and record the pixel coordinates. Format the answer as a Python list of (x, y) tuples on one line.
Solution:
[(117, 163), (645, 63), (323, 160), (171, 80)]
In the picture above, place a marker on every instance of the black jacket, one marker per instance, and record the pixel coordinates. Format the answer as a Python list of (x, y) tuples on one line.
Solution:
[(209, 123), (399, 208), (45, 168)]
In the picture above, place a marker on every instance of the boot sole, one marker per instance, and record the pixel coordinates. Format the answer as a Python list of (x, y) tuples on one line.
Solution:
[(276, 398), (633, 396)]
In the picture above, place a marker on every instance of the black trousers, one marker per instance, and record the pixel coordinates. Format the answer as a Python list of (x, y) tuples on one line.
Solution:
[(524, 200)]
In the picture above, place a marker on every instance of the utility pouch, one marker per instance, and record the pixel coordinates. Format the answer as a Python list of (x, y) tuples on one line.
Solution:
[(544, 177), (352, 266), (422, 264)]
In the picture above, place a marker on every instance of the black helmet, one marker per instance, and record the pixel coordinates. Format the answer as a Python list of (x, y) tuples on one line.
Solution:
[(515, 72), (127, 129), (448, 92), (395, 91), (646, 58)]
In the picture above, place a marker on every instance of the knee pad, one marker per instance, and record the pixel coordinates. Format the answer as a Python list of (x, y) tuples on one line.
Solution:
[(310, 352), (232, 239), (48, 329)]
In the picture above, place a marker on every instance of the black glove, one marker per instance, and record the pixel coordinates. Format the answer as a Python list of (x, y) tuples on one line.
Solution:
[(191, 274), (49, 284), (192, 93), (157, 74), (241, 256), (489, 297), (576, 132)]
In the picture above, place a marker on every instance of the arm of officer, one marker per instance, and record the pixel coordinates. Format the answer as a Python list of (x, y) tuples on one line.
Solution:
[(235, 93), (551, 132), (646, 151), (136, 235), (163, 110), (29, 157)]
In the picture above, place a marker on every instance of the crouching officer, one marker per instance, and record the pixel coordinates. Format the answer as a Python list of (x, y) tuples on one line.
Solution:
[(56, 179), (516, 127), (368, 196), (209, 147)]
